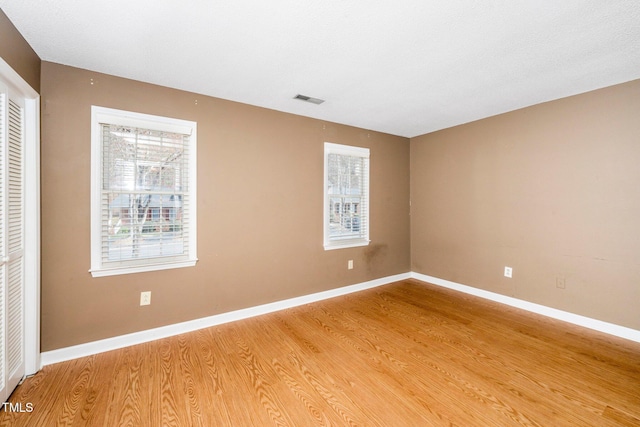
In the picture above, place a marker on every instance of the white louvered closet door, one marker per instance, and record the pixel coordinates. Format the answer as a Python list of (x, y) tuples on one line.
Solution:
[(12, 355)]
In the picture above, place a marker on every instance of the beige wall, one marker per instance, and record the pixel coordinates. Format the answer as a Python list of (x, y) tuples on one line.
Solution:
[(552, 190), (260, 179), (15, 50)]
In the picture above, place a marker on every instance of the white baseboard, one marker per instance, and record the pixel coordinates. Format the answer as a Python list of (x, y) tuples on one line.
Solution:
[(95, 347), (587, 322)]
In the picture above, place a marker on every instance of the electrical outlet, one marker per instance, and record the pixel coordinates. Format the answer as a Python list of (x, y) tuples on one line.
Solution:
[(350, 264), (560, 282), (508, 272), (145, 298)]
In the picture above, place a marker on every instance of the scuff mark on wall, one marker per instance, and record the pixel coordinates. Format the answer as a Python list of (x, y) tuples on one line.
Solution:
[(374, 254)]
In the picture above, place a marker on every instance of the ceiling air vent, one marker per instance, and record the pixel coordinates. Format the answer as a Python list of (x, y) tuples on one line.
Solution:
[(309, 99)]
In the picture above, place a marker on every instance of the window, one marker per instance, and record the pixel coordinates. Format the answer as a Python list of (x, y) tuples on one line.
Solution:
[(346, 196), (143, 211)]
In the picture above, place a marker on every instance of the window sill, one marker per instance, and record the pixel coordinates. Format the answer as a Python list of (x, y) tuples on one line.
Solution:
[(103, 272), (345, 244)]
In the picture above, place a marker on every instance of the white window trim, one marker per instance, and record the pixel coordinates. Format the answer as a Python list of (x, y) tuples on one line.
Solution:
[(165, 124), (331, 148)]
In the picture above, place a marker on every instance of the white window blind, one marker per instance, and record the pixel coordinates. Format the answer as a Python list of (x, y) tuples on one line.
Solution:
[(145, 209), (346, 196)]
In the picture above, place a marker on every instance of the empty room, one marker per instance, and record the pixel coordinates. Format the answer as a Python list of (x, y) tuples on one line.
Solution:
[(332, 213)]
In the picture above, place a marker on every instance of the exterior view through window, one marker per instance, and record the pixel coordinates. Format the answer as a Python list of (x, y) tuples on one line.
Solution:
[(346, 218), (145, 196)]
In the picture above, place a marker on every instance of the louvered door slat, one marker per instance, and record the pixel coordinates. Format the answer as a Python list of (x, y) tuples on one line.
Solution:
[(12, 364), (15, 238), (15, 315), (15, 161), (3, 143)]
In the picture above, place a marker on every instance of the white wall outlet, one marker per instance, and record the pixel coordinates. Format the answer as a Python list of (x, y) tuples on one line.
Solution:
[(508, 272), (145, 298), (350, 264)]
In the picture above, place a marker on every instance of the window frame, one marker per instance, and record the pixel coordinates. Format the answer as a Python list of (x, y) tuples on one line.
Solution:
[(100, 115), (331, 243)]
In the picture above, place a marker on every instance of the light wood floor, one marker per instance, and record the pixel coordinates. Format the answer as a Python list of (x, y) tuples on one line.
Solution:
[(405, 354)]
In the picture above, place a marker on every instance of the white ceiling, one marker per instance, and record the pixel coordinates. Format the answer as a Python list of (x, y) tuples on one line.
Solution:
[(405, 67)]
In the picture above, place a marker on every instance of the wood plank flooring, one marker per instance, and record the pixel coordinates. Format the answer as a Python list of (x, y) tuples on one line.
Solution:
[(405, 354)]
